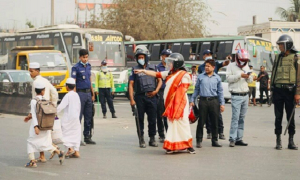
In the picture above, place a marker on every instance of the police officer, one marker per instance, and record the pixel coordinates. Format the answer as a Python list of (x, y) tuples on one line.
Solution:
[(105, 83), (81, 72), (285, 83), (162, 121), (145, 89)]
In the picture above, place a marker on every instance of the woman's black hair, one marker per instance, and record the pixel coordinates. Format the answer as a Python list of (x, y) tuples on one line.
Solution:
[(71, 86), (38, 91)]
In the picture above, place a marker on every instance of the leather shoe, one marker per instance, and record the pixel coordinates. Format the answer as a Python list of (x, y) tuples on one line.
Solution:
[(215, 144), (231, 144), (113, 115), (104, 116), (89, 141), (199, 144), (241, 143)]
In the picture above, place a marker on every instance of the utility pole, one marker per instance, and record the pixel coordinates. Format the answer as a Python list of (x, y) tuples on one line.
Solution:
[(52, 12)]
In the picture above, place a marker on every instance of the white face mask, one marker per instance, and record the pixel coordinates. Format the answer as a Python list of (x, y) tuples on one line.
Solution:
[(209, 57), (104, 68), (141, 62)]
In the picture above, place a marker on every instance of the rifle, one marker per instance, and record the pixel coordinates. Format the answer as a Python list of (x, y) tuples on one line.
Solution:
[(137, 122)]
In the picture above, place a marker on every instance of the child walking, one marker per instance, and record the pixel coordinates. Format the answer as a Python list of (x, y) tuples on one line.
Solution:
[(71, 128), (39, 141)]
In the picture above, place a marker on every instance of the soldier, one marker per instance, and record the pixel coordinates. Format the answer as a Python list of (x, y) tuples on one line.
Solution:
[(145, 88), (285, 84)]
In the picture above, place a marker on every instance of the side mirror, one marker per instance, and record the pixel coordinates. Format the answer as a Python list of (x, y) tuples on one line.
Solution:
[(88, 36), (129, 38), (5, 80)]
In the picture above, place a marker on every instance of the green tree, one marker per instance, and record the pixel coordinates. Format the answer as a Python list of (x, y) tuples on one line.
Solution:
[(29, 24), (156, 19), (290, 14)]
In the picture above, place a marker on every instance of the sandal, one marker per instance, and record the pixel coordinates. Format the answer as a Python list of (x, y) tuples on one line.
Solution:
[(74, 156), (61, 157), (52, 155), (69, 153), (41, 160), (31, 164)]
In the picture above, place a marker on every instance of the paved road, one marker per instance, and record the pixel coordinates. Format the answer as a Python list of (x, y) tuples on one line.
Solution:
[(117, 155)]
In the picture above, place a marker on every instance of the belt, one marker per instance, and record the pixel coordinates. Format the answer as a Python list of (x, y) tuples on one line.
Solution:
[(239, 94), (83, 90), (284, 86), (208, 98)]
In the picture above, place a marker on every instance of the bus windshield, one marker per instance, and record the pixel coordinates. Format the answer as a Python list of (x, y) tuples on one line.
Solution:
[(49, 61), (109, 47), (261, 54)]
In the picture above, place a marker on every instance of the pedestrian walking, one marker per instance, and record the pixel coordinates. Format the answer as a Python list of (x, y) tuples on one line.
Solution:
[(179, 135), (145, 89), (39, 140), (81, 72), (238, 77), (209, 87), (106, 89), (70, 123), (285, 83)]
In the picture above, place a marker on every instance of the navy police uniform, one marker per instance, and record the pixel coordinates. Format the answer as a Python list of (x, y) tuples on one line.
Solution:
[(82, 74), (145, 104), (161, 121)]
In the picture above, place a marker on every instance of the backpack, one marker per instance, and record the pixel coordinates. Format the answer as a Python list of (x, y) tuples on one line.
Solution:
[(45, 113)]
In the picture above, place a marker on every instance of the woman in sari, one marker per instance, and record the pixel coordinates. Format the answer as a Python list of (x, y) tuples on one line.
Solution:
[(179, 135)]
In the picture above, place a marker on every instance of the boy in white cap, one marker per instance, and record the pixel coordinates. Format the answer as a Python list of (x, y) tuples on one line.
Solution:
[(50, 93), (39, 141), (70, 123)]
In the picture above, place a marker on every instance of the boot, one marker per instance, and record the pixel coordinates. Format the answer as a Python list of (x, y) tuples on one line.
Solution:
[(152, 142), (215, 143), (104, 115), (278, 142), (88, 140), (113, 115), (199, 143), (162, 139), (142, 142), (291, 142)]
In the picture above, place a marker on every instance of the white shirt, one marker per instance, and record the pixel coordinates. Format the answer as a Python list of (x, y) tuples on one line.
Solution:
[(50, 91), (237, 84)]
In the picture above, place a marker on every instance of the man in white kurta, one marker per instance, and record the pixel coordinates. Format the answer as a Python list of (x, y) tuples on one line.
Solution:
[(71, 128)]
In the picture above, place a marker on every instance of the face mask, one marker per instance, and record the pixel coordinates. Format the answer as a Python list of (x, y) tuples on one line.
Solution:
[(141, 62), (83, 63), (209, 57), (104, 68)]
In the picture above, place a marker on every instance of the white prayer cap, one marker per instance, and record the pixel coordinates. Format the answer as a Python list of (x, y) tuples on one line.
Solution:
[(70, 81), (34, 65), (39, 85)]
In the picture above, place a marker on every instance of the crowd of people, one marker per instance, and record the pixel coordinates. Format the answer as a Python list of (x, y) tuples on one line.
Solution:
[(167, 93)]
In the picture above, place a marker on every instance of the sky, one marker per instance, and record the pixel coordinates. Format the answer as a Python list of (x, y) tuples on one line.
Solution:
[(230, 14)]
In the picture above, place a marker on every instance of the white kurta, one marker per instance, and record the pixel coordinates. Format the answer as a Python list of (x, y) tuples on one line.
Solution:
[(41, 142), (50, 91), (70, 123), (179, 131)]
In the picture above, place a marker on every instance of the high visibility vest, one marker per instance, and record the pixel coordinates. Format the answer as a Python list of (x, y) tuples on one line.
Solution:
[(105, 80), (191, 89)]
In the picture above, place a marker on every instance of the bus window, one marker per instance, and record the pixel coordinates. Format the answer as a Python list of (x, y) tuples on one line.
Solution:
[(1, 52), (30, 42), (130, 54), (38, 42), (22, 43), (8, 46), (228, 48), (75, 57), (155, 54), (23, 62), (185, 51), (220, 49), (47, 42), (176, 47), (169, 46), (162, 47), (68, 42), (57, 43), (205, 46)]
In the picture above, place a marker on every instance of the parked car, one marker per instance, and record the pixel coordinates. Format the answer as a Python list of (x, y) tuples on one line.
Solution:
[(15, 81), (227, 95)]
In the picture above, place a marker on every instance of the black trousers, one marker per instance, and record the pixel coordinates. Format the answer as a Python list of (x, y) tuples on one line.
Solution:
[(283, 98), (220, 124), (261, 91), (147, 105), (211, 109), (105, 96), (161, 121)]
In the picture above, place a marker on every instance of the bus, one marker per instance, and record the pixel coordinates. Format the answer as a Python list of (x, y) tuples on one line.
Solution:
[(69, 39), (261, 50)]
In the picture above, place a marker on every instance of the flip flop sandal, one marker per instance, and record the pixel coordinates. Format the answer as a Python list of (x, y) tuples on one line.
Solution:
[(41, 160), (31, 164), (52, 155), (74, 156), (61, 157), (68, 154)]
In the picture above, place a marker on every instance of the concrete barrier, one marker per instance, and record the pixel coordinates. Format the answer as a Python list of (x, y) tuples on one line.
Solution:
[(15, 97)]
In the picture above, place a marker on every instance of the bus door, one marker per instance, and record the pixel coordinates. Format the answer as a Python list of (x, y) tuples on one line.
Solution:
[(22, 62), (75, 54)]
